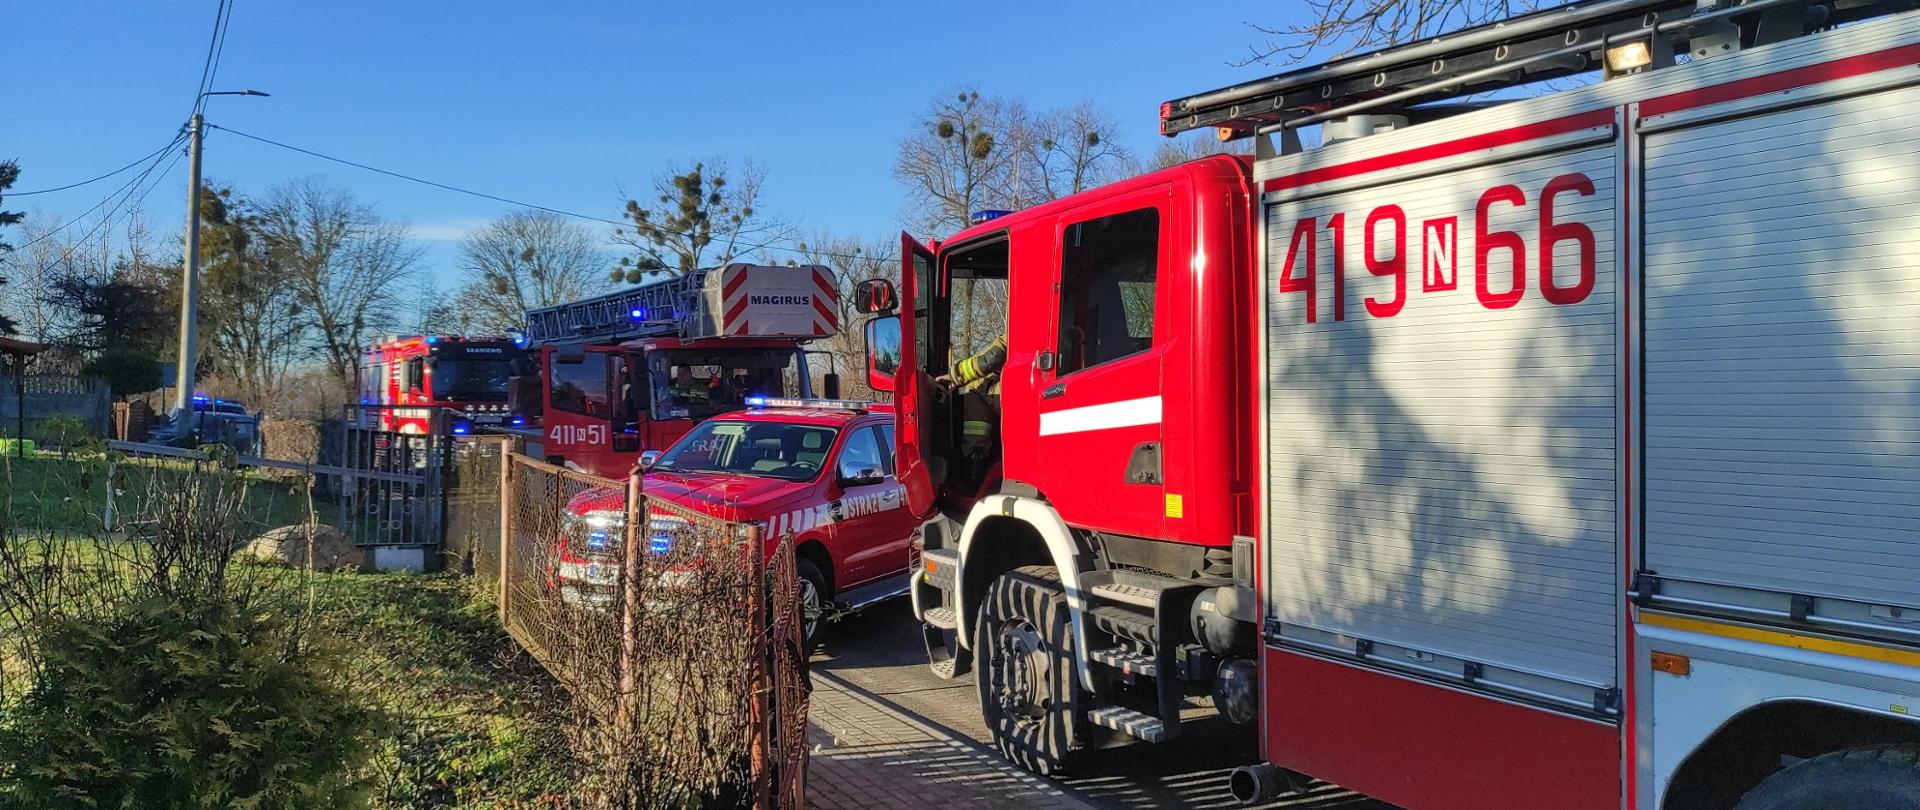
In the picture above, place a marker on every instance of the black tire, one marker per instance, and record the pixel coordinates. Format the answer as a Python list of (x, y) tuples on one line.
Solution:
[(814, 589), (1876, 778), (1029, 695)]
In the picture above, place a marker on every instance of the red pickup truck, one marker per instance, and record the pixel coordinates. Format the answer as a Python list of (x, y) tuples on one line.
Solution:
[(818, 471)]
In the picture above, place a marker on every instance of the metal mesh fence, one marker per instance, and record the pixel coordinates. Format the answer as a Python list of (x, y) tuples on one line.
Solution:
[(473, 506), (679, 644)]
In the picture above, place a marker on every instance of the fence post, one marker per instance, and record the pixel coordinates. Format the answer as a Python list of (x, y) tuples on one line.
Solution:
[(630, 561), (760, 598), (506, 525)]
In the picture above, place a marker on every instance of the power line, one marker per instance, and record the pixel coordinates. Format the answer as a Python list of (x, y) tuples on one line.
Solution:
[(149, 156), (125, 188), (508, 200), (66, 256), (220, 51), (206, 68)]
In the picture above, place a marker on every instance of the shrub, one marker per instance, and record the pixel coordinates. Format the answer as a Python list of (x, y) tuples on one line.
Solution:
[(199, 703), (65, 432)]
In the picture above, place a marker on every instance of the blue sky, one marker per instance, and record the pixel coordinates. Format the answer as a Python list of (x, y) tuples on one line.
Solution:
[(562, 103)]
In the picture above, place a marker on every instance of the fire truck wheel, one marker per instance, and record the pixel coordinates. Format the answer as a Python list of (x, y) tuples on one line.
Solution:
[(813, 599), (1875, 778), (1028, 692)]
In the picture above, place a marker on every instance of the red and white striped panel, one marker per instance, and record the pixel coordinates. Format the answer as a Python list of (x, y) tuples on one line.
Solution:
[(770, 301)]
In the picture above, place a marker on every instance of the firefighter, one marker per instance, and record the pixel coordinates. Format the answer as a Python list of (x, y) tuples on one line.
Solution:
[(977, 378)]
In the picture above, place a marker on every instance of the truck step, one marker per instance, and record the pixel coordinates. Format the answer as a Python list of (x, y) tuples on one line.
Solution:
[(871, 594), (943, 669), (1136, 588), (941, 617), (1124, 622), (1140, 725), (1127, 661)]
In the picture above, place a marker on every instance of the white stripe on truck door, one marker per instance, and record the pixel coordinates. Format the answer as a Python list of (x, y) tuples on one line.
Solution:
[(1105, 416)]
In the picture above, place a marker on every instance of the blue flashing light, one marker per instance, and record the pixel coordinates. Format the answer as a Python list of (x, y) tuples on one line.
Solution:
[(982, 216), (199, 397), (461, 428), (756, 402), (660, 544), (638, 313), (598, 539), (519, 421), (432, 340)]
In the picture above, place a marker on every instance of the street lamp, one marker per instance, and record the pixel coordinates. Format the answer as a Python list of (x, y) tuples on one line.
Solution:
[(190, 273)]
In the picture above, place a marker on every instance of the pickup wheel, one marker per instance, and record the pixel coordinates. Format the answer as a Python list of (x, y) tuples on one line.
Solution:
[(813, 599), (1029, 695), (1876, 778)]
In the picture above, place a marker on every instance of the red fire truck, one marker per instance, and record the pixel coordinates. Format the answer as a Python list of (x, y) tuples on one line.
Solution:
[(816, 471), (636, 369), (467, 374), (1552, 453)]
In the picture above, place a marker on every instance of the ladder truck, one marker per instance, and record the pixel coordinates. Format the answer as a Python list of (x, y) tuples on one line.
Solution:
[(632, 371), (1544, 453)]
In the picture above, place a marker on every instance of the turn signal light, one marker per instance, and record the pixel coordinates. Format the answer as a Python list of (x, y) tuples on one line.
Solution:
[(1672, 664)]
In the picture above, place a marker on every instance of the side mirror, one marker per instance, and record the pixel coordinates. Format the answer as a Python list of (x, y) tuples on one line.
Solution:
[(875, 295), (866, 477), (830, 385), (647, 458), (883, 352)]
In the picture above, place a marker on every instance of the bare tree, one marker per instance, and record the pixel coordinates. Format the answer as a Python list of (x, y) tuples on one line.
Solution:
[(1192, 146), (524, 260), (253, 326), (345, 262), (962, 157), (852, 260), (1074, 149), (31, 274), (1353, 26), (707, 215)]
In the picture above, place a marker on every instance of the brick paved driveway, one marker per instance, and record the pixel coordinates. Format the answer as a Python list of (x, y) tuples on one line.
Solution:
[(886, 733)]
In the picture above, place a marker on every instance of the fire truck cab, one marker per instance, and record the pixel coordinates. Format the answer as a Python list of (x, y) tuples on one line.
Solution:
[(417, 373), (1556, 452), (635, 370)]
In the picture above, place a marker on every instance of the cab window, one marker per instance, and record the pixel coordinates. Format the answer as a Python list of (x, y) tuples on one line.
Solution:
[(581, 387), (1107, 271), (861, 454)]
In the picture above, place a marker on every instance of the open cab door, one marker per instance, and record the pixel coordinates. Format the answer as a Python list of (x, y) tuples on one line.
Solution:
[(920, 455)]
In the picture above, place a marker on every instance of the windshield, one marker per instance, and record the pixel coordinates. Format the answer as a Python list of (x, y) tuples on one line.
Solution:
[(760, 449), (476, 380), (698, 383)]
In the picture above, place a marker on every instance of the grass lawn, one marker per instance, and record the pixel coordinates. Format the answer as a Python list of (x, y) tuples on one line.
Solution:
[(68, 496), (479, 723)]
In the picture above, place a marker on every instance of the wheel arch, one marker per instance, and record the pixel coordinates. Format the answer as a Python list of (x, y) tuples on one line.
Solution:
[(1750, 745), (814, 549), (1004, 532)]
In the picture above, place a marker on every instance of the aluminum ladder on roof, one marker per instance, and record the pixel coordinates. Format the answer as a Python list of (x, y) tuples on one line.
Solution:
[(1548, 44), (649, 310)]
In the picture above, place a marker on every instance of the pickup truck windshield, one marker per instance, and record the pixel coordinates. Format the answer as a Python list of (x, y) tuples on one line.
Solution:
[(698, 383), (762, 449)]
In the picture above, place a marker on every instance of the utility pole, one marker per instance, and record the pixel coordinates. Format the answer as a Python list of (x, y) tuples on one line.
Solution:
[(184, 423), (189, 286)]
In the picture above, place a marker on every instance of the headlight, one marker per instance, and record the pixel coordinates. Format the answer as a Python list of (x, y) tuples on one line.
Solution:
[(598, 530)]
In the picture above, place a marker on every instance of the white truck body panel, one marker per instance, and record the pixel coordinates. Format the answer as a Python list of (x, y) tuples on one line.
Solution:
[(1782, 362), (1460, 494), (1442, 479)]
